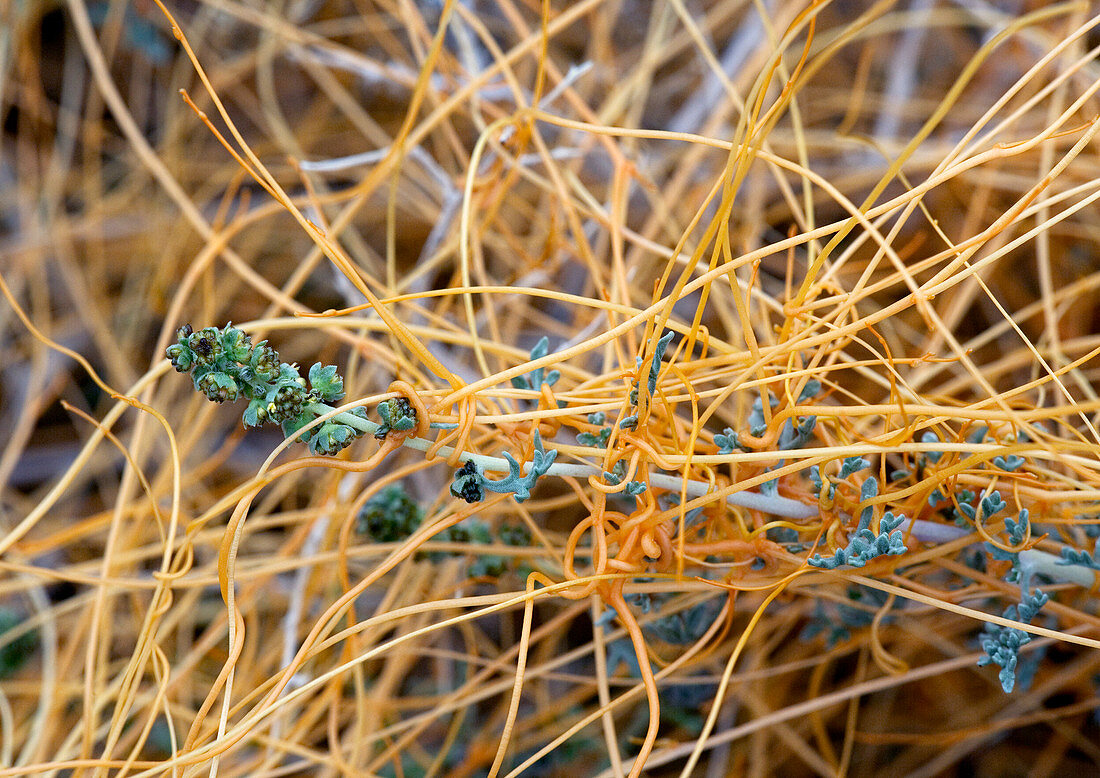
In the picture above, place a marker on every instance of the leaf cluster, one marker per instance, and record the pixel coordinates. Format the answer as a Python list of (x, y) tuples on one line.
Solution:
[(226, 366), (1002, 644), (470, 483), (849, 466), (537, 377), (865, 545), (393, 515)]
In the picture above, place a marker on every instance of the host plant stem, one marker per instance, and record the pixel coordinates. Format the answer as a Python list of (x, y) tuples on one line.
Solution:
[(775, 505)]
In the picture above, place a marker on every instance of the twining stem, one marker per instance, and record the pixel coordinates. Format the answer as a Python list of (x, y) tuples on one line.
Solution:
[(771, 504)]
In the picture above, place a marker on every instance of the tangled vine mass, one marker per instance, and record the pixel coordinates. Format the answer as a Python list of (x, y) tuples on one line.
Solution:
[(695, 388)]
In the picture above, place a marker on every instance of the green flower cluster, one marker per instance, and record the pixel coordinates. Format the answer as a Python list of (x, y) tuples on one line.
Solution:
[(225, 366), (392, 515)]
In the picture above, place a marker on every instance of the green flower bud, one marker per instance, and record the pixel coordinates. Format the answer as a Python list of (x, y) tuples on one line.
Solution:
[(264, 362), (295, 423), (224, 365), (180, 353), (236, 344), (397, 414), (256, 413), (287, 403), (218, 386), (332, 438), (181, 357), (390, 516)]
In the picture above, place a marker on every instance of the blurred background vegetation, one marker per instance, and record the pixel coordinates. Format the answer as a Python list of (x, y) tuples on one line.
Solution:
[(894, 199)]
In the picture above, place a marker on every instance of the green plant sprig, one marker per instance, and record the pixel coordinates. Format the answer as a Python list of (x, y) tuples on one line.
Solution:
[(471, 485), (1001, 644), (225, 366)]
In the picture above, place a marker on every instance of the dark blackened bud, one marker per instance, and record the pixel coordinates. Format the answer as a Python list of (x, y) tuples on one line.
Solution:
[(207, 346), (180, 353), (467, 483), (472, 492)]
